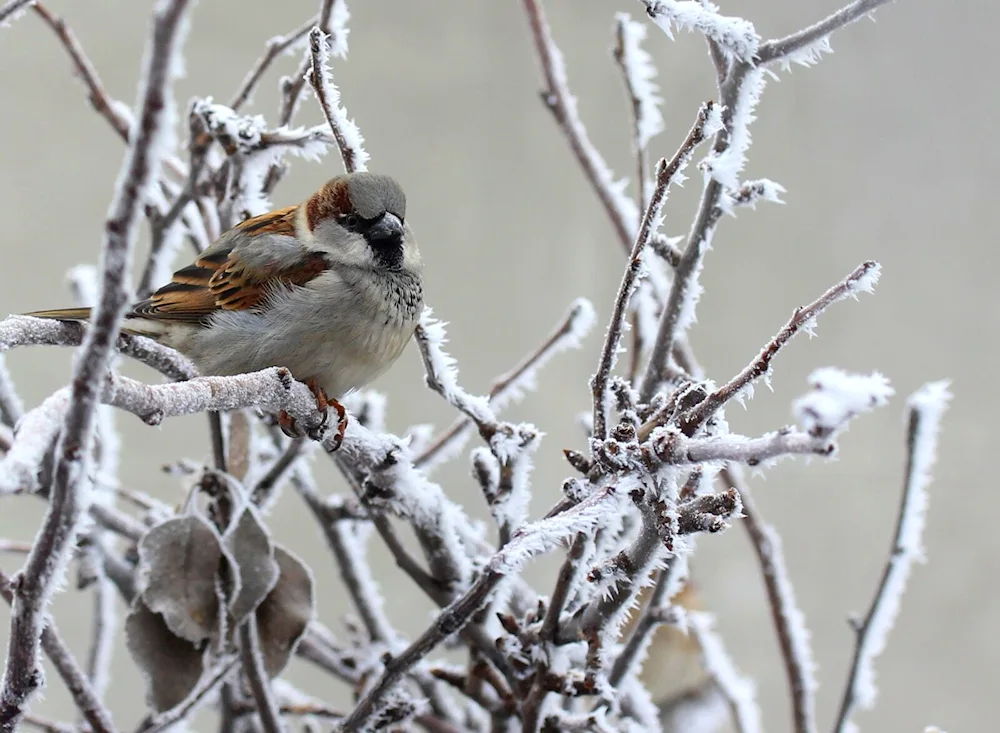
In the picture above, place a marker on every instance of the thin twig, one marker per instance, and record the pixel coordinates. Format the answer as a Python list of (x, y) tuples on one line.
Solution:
[(665, 173), (926, 407), (292, 88), (266, 484), (260, 686), (11, 8), (789, 623), (566, 334), (209, 681), (345, 132), (272, 50), (781, 48), (11, 407), (861, 279), (560, 101), (43, 567)]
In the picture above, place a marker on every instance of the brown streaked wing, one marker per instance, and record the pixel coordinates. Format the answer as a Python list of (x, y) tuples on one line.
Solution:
[(219, 280)]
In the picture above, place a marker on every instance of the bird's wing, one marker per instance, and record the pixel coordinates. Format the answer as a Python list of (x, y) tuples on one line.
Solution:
[(237, 272)]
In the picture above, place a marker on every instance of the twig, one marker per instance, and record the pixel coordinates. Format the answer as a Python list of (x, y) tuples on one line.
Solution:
[(686, 271), (668, 581), (253, 666), (266, 484), (637, 71), (292, 88), (272, 50), (526, 543), (738, 690), (567, 334), (96, 93), (209, 681), (102, 637), (44, 566), (674, 449), (48, 726), (926, 407), (15, 546), (665, 173), (861, 280), (11, 408), (345, 132), (569, 575), (789, 623), (12, 8), (781, 48), (87, 701), (557, 97)]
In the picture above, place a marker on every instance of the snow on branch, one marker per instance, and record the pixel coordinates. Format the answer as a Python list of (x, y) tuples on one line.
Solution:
[(926, 408), (734, 35), (345, 132)]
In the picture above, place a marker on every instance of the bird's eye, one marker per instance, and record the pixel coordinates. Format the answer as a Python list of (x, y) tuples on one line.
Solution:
[(351, 221)]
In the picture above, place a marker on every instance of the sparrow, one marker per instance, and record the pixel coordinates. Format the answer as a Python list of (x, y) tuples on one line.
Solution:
[(330, 288)]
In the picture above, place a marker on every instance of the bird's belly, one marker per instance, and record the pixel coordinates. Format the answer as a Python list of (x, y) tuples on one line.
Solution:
[(340, 354)]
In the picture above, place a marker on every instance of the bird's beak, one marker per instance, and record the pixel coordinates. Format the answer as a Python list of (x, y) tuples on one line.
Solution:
[(387, 230)]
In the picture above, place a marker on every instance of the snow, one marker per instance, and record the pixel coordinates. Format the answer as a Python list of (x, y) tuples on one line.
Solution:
[(735, 35), (639, 68)]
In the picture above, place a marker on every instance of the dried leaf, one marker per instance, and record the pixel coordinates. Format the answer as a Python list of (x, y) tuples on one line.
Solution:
[(178, 568), (252, 555), (172, 666), (286, 611)]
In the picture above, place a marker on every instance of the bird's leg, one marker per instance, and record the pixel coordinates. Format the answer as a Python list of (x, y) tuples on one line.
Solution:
[(323, 404)]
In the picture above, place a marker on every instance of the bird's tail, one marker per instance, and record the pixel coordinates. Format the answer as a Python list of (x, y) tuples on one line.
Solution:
[(63, 314)]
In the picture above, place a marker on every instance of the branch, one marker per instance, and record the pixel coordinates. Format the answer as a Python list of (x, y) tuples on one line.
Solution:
[(737, 689), (28, 331), (529, 541), (557, 97), (345, 132), (44, 566), (86, 699), (209, 681), (260, 686), (665, 173), (926, 408), (782, 48), (789, 622), (674, 449), (273, 49), (568, 334), (861, 280), (291, 88)]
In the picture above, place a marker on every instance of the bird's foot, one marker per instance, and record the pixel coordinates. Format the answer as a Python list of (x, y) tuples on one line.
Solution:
[(323, 404)]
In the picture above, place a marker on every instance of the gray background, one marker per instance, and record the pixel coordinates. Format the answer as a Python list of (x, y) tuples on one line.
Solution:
[(888, 151)]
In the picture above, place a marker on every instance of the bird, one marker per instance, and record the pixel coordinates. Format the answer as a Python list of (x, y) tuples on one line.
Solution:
[(331, 289)]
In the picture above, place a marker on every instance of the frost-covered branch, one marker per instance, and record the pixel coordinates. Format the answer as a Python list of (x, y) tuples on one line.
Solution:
[(665, 173), (786, 49), (738, 690), (274, 48), (140, 170), (789, 622), (11, 9), (861, 280), (926, 408), (345, 132)]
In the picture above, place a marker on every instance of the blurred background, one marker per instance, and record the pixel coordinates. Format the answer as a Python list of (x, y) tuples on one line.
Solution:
[(887, 149)]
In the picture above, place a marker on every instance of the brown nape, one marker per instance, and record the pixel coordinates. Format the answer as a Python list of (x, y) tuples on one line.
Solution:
[(330, 201)]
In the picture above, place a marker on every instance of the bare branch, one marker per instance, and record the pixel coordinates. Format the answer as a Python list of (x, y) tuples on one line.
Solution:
[(926, 408), (272, 50), (557, 97), (291, 88), (738, 690), (780, 49)]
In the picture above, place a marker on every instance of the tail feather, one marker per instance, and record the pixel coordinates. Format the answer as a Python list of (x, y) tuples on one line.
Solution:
[(63, 314)]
